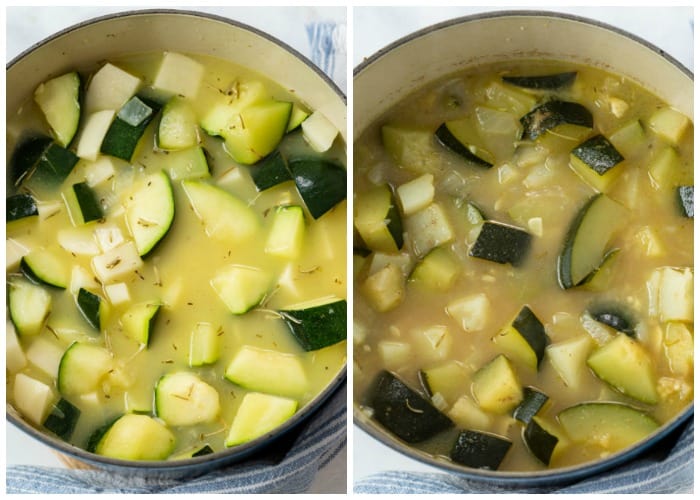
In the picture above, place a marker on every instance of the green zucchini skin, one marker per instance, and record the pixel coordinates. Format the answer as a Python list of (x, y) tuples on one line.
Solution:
[(553, 113), (598, 153), (614, 317), (204, 450), (532, 330), (501, 243), (26, 155), (448, 140), (480, 450), (542, 82), (19, 206), (533, 401), (50, 168), (540, 442), (99, 433), (128, 126), (318, 327), (62, 419), (88, 202), (89, 306), (686, 200), (322, 183), (270, 171), (403, 411)]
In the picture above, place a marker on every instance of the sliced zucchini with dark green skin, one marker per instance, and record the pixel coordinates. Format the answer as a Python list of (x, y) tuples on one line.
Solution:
[(82, 368), (624, 364), (138, 321), (87, 202), (322, 183), (29, 306), (177, 128), (26, 155), (533, 401), (686, 199), (44, 268), (611, 425), (554, 113), (89, 305), (480, 450), (267, 371), (448, 379), (586, 244), (52, 167), (539, 441), (377, 219), (543, 82), (496, 387), (59, 101), (134, 437), (501, 243), (448, 140), (20, 206), (150, 211), (524, 338), (598, 154), (614, 317), (270, 171), (403, 411), (128, 126), (204, 450), (62, 419), (318, 327)]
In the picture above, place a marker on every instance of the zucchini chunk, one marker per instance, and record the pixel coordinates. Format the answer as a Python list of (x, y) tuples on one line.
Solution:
[(378, 221), (318, 326), (594, 160), (198, 451), (241, 288), (128, 126), (403, 411), (87, 203), (539, 441), (62, 419), (299, 114), (614, 318), (410, 148), (20, 206), (82, 368), (501, 243), (447, 139), (190, 163), (134, 437), (321, 183), (286, 235), (42, 267), (256, 131), (587, 240), (225, 217), (568, 358), (669, 124), (270, 171), (177, 128), (26, 155), (612, 426), (415, 195), (551, 114), (29, 306), (258, 415), (204, 344), (437, 271), (182, 398), (625, 365), (318, 132), (150, 210), (533, 401), (686, 199), (59, 101), (448, 379), (51, 168), (553, 81), (496, 386), (271, 372), (480, 450), (524, 338), (90, 306), (138, 321)]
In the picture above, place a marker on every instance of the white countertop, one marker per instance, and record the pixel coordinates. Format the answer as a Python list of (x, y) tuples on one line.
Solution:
[(669, 28), (29, 25)]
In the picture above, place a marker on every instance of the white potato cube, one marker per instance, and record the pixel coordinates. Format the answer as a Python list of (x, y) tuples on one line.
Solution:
[(471, 312), (179, 74), (110, 88), (319, 132), (115, 264), (94, 131)]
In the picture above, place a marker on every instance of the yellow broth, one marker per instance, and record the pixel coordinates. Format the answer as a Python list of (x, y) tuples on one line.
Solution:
[(178, 271), (530, 186)]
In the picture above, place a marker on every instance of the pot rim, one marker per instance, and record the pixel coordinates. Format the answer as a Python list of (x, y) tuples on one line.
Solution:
[(517, 13), (548, 476), (229, 455)]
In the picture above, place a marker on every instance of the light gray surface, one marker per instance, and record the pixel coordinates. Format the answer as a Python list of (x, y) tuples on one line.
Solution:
[(669, 28), (29, 25)]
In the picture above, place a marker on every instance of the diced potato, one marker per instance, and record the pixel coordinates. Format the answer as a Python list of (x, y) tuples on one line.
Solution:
[(675, 300), (100, 171), (433, 342), (32, 398), (108, 236), (117, 293), (679, 346), (379, 260), (663, 167), (385, 288), (110, 87), (14, 251), (45, 355), (649, 242), (319, 132), (78, 240), (428, 229), (669, 124), (81, 278), (15, 358), (93, 132), (394, 354), (416, 194), (117, 263), (471, 312), (568, 358), (179, 74)]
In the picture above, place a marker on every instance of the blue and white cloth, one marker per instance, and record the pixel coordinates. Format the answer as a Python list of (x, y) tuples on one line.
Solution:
[(322, 439), (660, 471)]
